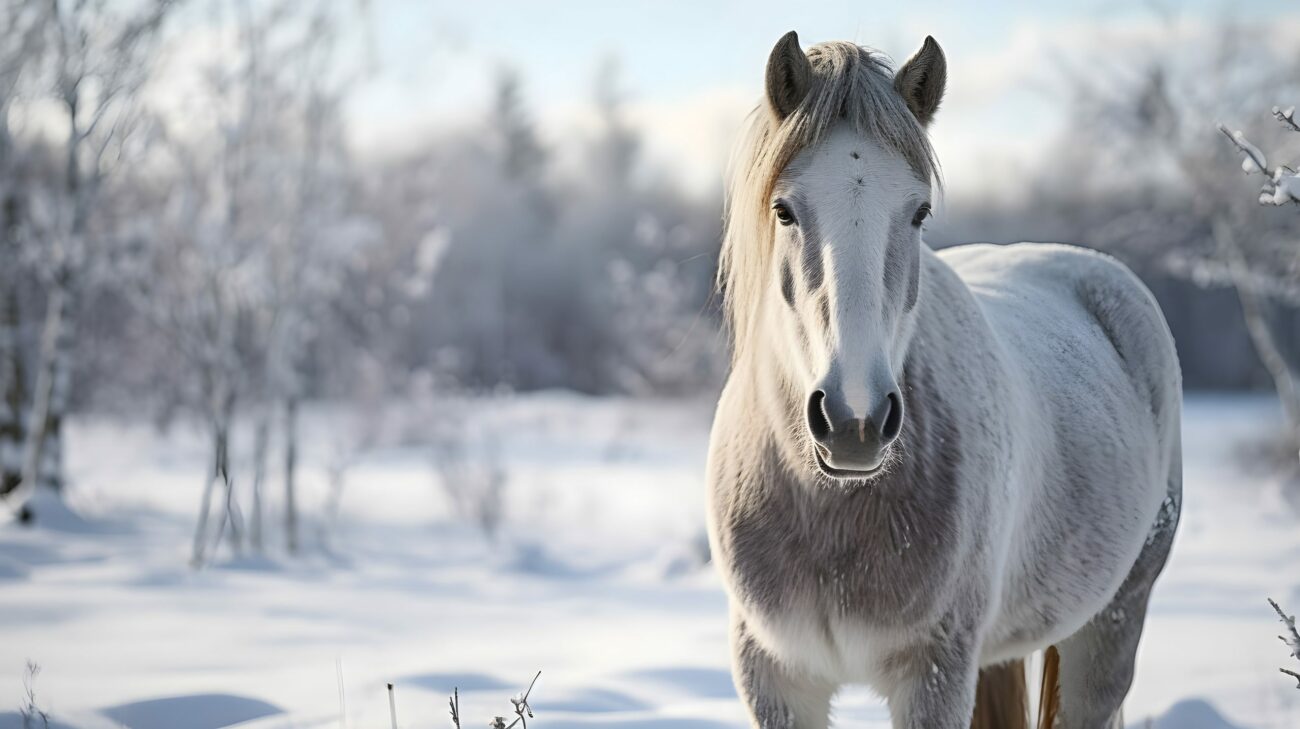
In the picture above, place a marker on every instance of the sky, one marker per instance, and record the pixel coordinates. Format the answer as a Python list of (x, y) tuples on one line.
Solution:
[(691, 69)]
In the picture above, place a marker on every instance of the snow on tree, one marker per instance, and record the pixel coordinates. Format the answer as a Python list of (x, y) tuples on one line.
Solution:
[(220, 255), (21, 49), (255, 235), (1290, 638), (97, 58), (1283, 185)]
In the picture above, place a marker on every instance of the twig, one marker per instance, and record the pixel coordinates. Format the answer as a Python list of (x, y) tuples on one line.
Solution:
[(523, 712), (31, 711), (1292, 641), (1287, 117), (521, 703), (1283, 185), (1241, 143)]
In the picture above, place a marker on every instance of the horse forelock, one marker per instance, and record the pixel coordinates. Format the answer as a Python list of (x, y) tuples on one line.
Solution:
[(850, 83)]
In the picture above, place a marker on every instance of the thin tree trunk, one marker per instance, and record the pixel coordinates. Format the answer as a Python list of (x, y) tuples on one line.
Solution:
[(52, 473), (13, 396), (1261, 336), (262, 437), (50, 395), (198, 552), (290, 466), (230, 511)]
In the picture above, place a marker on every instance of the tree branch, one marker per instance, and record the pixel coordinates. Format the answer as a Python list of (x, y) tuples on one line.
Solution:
[(1291, 639)]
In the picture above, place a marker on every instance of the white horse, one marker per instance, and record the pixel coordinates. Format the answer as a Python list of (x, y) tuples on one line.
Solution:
[(925, 466)]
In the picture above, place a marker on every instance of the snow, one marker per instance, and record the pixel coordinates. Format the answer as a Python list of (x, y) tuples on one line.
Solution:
[(1193, 714), (1286, 189), (594, 580), (1254, 160)]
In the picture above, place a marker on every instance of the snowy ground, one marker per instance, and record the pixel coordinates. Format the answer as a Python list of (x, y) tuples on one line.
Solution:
[(594, 580)]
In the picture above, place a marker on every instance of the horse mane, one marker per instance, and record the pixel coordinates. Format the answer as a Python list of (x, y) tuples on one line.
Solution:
[(850, 83)]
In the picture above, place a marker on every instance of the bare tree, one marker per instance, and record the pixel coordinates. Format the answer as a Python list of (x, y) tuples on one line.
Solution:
[(258, 234), (323, 239), (198, 296), (21, 50), (100, 60), (1282, 187)]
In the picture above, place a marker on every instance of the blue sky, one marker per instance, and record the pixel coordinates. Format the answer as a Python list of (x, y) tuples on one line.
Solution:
[(692, 68)]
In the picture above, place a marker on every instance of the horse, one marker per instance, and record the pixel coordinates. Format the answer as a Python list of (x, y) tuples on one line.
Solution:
[(924, 466)]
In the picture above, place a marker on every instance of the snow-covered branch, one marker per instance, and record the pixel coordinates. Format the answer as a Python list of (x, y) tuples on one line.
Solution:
[(1283, 186), (1291, 639), (523, 712), (1286, 117)]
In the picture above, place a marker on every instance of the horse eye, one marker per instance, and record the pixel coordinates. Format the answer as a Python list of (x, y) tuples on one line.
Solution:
[(783, 214), (922, 213)]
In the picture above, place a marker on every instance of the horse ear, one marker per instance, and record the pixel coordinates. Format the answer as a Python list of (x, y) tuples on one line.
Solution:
[(922, 79), (789, 75)]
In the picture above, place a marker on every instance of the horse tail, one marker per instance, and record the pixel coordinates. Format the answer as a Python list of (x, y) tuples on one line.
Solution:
[(1049, 701), (1002, 698)]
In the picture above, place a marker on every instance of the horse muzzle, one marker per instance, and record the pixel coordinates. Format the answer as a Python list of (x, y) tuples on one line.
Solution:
[(848, 443)]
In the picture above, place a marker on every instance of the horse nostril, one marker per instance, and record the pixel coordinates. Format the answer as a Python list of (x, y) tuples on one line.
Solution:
[(893, 418), (818, 424)]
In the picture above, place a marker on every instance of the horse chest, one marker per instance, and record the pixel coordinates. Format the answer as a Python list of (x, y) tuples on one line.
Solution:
[(832, 581)]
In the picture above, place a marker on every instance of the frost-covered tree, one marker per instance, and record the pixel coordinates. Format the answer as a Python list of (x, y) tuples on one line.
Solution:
[(98, 55), (21, 51), (1282, 187), (645, 237), (1143, 175), (257, 235), (324, 240), (222, 254)]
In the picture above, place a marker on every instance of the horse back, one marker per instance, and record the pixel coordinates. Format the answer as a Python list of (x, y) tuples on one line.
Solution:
[(1094, 378)]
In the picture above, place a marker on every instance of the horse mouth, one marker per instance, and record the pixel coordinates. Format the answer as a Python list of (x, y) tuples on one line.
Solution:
[(844, 474)]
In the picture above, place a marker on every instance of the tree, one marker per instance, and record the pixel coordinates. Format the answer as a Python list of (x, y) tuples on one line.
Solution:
[(257, 234), (21, 51), (100, 59), (1282, 188)]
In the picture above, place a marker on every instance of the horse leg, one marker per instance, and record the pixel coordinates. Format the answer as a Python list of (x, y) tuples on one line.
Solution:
[(776, 697), (1096, 663), (934, 687)]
